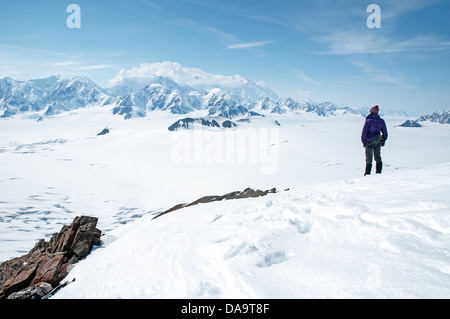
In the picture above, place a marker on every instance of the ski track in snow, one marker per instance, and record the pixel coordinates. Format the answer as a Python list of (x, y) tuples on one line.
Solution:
[(334, 234)]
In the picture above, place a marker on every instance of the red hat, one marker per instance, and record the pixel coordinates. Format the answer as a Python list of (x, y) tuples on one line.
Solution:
[(374, 109)]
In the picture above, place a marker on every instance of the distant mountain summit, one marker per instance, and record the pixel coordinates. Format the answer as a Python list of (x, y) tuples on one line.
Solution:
[(167, 73), (410, 123), (442, 117), (49, 96)]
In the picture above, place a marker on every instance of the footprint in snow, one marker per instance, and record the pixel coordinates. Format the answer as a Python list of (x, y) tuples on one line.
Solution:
[(302, 227), (276, 257), (216, 218), (242, 248)]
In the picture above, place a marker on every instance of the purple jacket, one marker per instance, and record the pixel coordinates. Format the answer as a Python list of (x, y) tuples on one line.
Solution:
[(372, 127)]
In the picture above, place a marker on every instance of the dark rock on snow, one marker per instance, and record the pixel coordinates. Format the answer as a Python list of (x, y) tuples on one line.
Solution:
[(188, 123), (104, 132), (50, 261), (247, 193), (228, 124), (410, 123)]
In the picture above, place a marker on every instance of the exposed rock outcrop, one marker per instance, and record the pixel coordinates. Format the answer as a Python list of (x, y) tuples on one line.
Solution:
[(410, 123), (50, 261), (228, 124), (188, 123), (247, 193), (104, 132)]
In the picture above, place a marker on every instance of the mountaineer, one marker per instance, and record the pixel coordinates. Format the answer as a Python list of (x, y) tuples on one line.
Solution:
[(373, 137)]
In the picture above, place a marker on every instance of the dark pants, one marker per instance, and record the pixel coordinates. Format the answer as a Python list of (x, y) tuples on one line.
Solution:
[(373, 149)]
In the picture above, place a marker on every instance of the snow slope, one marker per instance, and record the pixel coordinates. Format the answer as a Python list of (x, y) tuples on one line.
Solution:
[(379, 237)]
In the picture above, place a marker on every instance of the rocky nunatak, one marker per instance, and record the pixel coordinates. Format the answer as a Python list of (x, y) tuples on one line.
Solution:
[(50, 261)]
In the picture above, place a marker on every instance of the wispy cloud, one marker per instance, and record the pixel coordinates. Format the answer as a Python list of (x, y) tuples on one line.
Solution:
[(206, 30), (152, 5), (65, 63), (249, 45), (33, 50), (226, 39), (95, 67), (347, 43), (254, 13), (77, 66), (382, 76), (394, 9), (303, 76)]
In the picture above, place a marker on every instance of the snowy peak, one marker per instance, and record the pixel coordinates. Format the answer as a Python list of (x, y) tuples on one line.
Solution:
[(135, 84), (409, 123), (194, 78), (442, 117), (184, 76), (264, 104), (223, 104), (51, 95), (77, 89), (166, 96)]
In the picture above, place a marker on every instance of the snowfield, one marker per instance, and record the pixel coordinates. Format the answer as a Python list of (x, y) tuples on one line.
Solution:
[(383, 237), (327, 233)]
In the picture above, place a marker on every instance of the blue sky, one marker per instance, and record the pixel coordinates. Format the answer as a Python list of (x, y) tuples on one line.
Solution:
[(314, 49)]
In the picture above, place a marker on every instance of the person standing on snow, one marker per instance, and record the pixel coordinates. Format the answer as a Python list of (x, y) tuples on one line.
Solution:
[(372, 139)]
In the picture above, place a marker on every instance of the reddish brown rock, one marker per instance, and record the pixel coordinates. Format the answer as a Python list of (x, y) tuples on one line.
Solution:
[(50, 261)]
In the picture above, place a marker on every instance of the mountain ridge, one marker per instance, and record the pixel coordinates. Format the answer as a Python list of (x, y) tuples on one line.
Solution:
[(137, 95), (442, 117)]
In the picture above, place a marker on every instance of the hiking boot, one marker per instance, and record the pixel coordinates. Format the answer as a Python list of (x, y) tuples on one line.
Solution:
[(368, 169), (379, 167)]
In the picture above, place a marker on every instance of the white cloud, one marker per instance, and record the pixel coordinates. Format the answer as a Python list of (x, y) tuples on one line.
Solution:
[(303, 76), (65, 63), (249, 45), (16, 48), (95, 67), (179, 74)]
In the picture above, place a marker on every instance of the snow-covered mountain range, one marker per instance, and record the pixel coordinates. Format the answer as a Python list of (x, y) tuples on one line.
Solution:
[(49, 96), (442, 117), (138, 95), (163, 86)]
